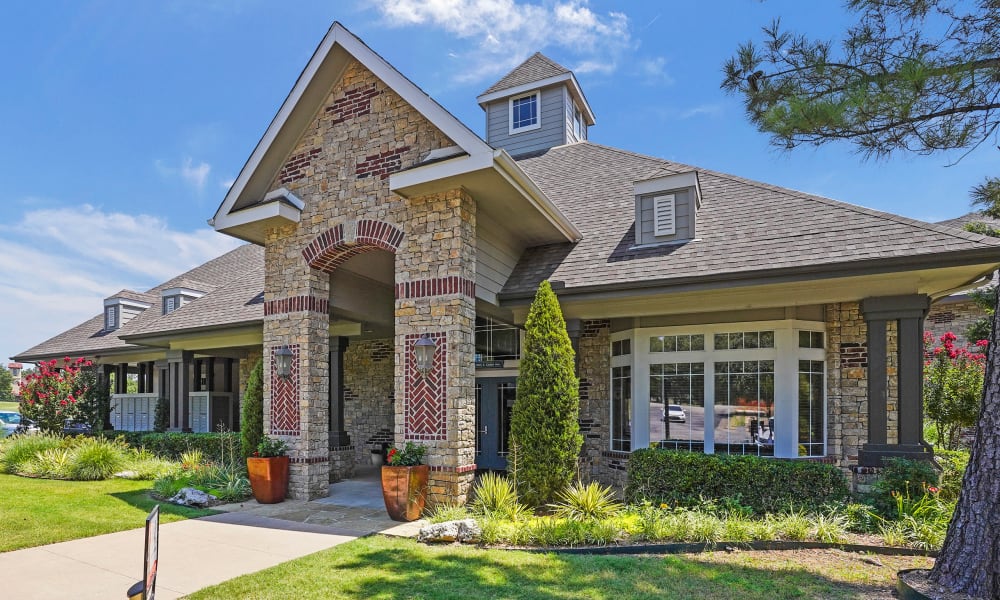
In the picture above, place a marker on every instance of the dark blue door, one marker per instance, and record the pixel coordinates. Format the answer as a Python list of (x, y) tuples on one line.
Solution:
[(494, 403)]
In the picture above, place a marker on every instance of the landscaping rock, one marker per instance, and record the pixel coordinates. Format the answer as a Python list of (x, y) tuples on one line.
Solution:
[(466, 530), (193, 497)]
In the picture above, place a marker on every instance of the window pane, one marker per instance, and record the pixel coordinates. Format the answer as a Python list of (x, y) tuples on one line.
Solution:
[(750, 339), (697, 342), (744, 407), (656, 344), (721, 341), (767, 339), (670, 343), (811, 408), (683, 343), (804, 340), (621, 408)]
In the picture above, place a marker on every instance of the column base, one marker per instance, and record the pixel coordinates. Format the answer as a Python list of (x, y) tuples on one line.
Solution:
[(309, 479), (873, 455), (449, 486), (339, 439), (341, 463)]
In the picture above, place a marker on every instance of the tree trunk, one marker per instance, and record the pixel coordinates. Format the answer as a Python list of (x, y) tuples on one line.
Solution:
[(970, 558)]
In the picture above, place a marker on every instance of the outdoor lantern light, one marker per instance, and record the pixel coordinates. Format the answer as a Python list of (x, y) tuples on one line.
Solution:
[(283, 360), (423, 352)]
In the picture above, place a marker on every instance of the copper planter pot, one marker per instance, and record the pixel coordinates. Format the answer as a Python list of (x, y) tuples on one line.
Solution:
[(404, 490), (268, 478)]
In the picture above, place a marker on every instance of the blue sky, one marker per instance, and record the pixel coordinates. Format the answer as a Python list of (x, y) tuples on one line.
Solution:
[(124, 122)]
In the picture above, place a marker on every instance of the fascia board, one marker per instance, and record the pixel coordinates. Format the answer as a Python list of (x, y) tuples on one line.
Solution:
[(113, 301), (569, 78), (261, 212), (339, 35), (439, 170)]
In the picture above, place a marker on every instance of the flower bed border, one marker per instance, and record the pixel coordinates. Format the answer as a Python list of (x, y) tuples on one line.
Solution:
[(696, 547)]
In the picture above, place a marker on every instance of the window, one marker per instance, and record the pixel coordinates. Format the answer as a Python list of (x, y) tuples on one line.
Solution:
[(811, 339), (811, 409), (621, 408), (677, 405), (524, 112), (496, 341), (741, 340), (744, 406), (577, 124), (111, 318), (677, 343), (664, 213), (621, 347)]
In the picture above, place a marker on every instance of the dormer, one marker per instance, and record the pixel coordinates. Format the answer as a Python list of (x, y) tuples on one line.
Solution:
[(122, 308), (176, 297), (666, 209), (535, 107)]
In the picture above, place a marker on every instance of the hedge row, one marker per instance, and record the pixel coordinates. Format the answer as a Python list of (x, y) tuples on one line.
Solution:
[(213, 446), (762, 484)]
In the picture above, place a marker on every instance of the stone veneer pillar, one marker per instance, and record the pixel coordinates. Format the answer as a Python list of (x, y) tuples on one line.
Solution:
[(435, 296)]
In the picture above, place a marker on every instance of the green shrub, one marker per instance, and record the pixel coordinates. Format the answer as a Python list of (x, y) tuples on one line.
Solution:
[(252, 411), (581, 502), (94, 458), (544, 430), (53, 463), (764, 485), (161, 420), (952, 463), (448, 512), (216, 447), (168, 485), (17, 450), (496, 497), (906, 477)]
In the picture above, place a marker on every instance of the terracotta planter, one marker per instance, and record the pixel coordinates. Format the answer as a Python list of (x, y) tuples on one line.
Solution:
[(404, 490), (268, 478)]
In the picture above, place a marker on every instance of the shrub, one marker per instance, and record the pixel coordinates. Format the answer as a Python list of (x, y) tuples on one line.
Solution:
[(496, 497), (901, 476), (953, 386), (50, 396), (161, 420), (544, 430), (952, 463), (592, 501), (95, 405), (445, 512), (18, 450), (764, 485), (252, 412), (95, 458), (216, 447)]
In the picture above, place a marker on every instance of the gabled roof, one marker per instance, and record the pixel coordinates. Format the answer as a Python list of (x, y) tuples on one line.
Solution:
[(89, 338), (972, 217), (746, 230), (249, 205), (132, 295), (536, 68)]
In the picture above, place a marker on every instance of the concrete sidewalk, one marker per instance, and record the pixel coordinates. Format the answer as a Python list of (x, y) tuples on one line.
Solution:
[(193, 554)]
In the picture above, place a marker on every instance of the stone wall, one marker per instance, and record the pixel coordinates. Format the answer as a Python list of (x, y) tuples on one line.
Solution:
[(597, 462), (369, 396), (955, 317)]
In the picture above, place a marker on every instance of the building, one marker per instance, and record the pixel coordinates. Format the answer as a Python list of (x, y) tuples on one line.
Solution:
[(16, 369), (710, 312)]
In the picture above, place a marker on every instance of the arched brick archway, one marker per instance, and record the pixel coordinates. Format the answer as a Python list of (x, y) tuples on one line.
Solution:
[(337, 245)]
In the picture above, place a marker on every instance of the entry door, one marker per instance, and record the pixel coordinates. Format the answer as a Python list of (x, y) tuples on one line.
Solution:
[(494, 403)]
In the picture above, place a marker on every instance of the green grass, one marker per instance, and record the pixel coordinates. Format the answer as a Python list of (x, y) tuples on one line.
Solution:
[(42, 511), (391, 568), (10, 406)]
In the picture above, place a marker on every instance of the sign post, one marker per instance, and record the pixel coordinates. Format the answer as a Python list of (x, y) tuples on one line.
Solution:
[(146, 589)]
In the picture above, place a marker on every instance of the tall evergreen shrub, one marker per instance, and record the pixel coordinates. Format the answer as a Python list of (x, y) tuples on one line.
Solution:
[(252, 414), (545, 428)]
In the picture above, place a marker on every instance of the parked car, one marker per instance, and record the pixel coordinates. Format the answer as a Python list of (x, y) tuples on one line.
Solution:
[(675, 414), (12, 422), (71, 427)]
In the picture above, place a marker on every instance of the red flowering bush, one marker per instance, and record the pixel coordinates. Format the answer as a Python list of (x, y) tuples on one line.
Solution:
[(953, 386), (55, 393)]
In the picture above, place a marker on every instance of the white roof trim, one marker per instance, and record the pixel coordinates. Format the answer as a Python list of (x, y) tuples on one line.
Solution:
[(439, 170), (568, 77), (407, 90), (181, 291), (260, 212), (676, 181), (513, 172), (113, 301), (439, 153), (283, 194)]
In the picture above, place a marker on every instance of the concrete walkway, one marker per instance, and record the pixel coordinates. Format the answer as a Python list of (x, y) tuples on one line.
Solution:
[(196, 553)]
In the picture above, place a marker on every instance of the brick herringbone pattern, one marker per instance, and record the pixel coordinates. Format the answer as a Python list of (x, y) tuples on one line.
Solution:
[(285, 397), (425, 414)]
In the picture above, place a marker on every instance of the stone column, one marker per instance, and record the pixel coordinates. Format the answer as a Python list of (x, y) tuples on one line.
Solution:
[(296, 408), (435, 296), (341, 449)]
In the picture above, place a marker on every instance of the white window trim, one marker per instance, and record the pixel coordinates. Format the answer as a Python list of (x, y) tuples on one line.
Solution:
[(511, 130), (785, 355)]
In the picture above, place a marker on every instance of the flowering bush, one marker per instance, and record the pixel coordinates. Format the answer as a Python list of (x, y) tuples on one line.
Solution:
[(54, 393), (953, 386), (409, 456)]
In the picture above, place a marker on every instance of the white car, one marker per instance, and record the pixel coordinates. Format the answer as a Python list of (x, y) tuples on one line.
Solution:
[(675, 414), (12, 422)]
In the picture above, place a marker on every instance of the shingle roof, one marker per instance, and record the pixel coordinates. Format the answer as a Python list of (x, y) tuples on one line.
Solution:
[(536, 68), (744, 227), (972, 217), (133, 295), (90, 337)]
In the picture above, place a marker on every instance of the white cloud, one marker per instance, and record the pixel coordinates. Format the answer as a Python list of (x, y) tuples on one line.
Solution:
[(502, 33), (653, 71), (702, 110), (60, 263), (193, 175)]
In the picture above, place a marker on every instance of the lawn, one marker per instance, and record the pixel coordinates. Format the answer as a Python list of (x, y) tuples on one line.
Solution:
[(10, 407), (392, 568), (42, 511)]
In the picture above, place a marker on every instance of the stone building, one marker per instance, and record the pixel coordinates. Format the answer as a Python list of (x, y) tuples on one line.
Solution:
[(711, 313)]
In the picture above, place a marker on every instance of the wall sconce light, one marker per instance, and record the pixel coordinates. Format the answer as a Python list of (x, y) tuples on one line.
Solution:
[(283, 361), (423, 352)]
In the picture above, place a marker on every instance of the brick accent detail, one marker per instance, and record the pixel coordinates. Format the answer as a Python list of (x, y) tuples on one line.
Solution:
[(285, 397), (425, 398), (594, 327), (941, 317), (356, 102), (296, 304), (853, 355), (308, 460), (382, 164), (462, 469), (295, 167), (337, 245), (439, 286), (381, 350)]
